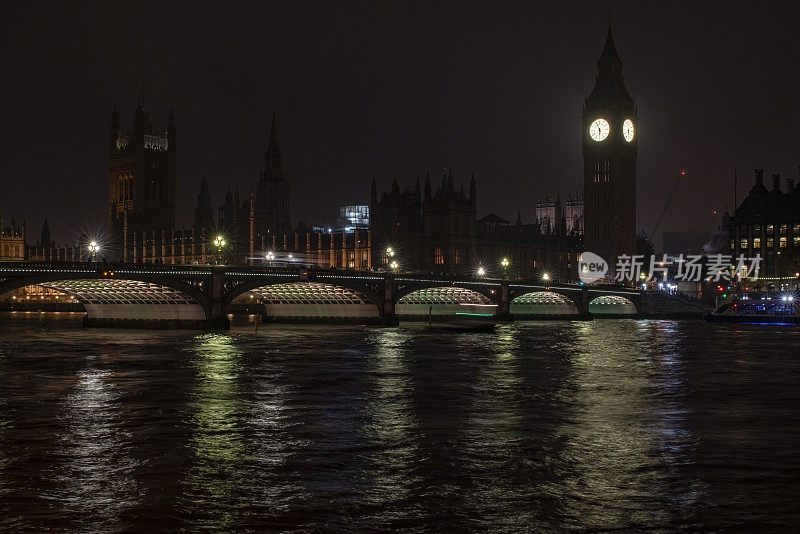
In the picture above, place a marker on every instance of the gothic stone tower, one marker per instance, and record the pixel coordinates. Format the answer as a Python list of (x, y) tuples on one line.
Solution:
[(141, 186), (271, 211), (609, 161)]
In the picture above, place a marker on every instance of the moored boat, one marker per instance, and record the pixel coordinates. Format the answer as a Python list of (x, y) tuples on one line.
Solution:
[(758, 307)]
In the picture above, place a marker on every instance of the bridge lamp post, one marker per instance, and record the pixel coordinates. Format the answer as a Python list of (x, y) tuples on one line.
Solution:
[(394, 265), (546, 277), (270, 256), (481, 271), (504, 263), (219, 242), (93, 248)]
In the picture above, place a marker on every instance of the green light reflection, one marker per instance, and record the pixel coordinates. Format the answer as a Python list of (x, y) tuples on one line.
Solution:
[(217, 444)]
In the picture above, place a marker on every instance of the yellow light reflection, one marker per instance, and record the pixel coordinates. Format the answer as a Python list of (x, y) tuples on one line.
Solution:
[(614, 435)]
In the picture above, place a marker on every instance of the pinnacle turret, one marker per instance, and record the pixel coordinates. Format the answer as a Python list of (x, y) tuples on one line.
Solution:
[(609, 83)]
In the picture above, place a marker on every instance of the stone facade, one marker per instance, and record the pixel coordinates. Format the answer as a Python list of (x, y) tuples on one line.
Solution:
[(141, 184), (437, 231), (12, 241), (767, 222)]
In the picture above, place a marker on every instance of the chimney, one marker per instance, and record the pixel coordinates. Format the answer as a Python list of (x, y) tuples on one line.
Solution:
[(789, 185), (776, 182), (759, 177)]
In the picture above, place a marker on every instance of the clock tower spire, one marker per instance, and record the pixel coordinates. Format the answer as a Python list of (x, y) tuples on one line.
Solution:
[(609, 161)]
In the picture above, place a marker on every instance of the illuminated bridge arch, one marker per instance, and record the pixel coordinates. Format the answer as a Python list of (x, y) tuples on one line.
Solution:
[(122, 299), (611, 305), (543, 303), (443, 301), (312, 300)]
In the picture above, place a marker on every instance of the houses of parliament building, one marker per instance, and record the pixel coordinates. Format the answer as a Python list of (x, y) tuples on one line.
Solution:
[(431, 226)]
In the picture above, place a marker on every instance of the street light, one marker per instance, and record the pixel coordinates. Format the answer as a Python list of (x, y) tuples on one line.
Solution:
[(93, 248), (219, 242), (504, 263), (545, 277), (270, 256), (481, 271), (394, 265)]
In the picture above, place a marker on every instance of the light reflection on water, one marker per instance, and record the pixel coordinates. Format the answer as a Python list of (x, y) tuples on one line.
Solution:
[(393, 432), (608, 435), (626, 425), (93, 483), (494, 434), (8, 520), (214, 415)]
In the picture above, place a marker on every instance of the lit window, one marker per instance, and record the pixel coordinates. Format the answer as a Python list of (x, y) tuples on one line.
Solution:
[(756, 242), (770, 242), (744, 243), (757, 228), (438, 257), (783, 229), (770, 228), (783, 242), (797, 240), (733, 245), (796, 229)]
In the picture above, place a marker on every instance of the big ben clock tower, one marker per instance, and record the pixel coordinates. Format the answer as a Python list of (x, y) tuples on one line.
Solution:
[(610, 141)]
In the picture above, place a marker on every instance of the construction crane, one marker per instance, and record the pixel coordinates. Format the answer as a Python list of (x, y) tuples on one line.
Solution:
[(666, 206)]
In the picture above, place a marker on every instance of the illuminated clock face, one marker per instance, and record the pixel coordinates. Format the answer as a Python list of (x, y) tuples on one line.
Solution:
[(627, 130), (599, 129)]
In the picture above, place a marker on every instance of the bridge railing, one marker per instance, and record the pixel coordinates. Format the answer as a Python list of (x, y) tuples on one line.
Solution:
[(88, 266)]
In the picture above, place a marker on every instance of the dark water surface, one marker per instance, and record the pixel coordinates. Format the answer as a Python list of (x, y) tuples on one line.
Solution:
[(628, 425)]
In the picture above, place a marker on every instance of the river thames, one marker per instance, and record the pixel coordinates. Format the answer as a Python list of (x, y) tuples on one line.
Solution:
[(549, 426)]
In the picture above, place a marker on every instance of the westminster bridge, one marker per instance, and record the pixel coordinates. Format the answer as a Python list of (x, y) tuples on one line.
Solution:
[(180, 296)]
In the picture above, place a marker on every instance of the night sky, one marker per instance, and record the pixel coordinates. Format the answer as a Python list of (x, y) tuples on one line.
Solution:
[(378, 89)]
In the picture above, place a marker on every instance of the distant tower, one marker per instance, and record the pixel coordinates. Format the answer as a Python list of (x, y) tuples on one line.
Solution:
[(45, 240), (228, 212), (609, 161), (141, 186), (204, 211), (271, 214)]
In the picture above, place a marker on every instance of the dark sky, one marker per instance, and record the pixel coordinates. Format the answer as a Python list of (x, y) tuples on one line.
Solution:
[(378, 88)]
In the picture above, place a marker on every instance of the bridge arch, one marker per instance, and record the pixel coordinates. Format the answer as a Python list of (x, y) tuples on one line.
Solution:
[(612, 305), (438, 300), (543, 303), (123, 298), (490, 291), (309, 300)]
